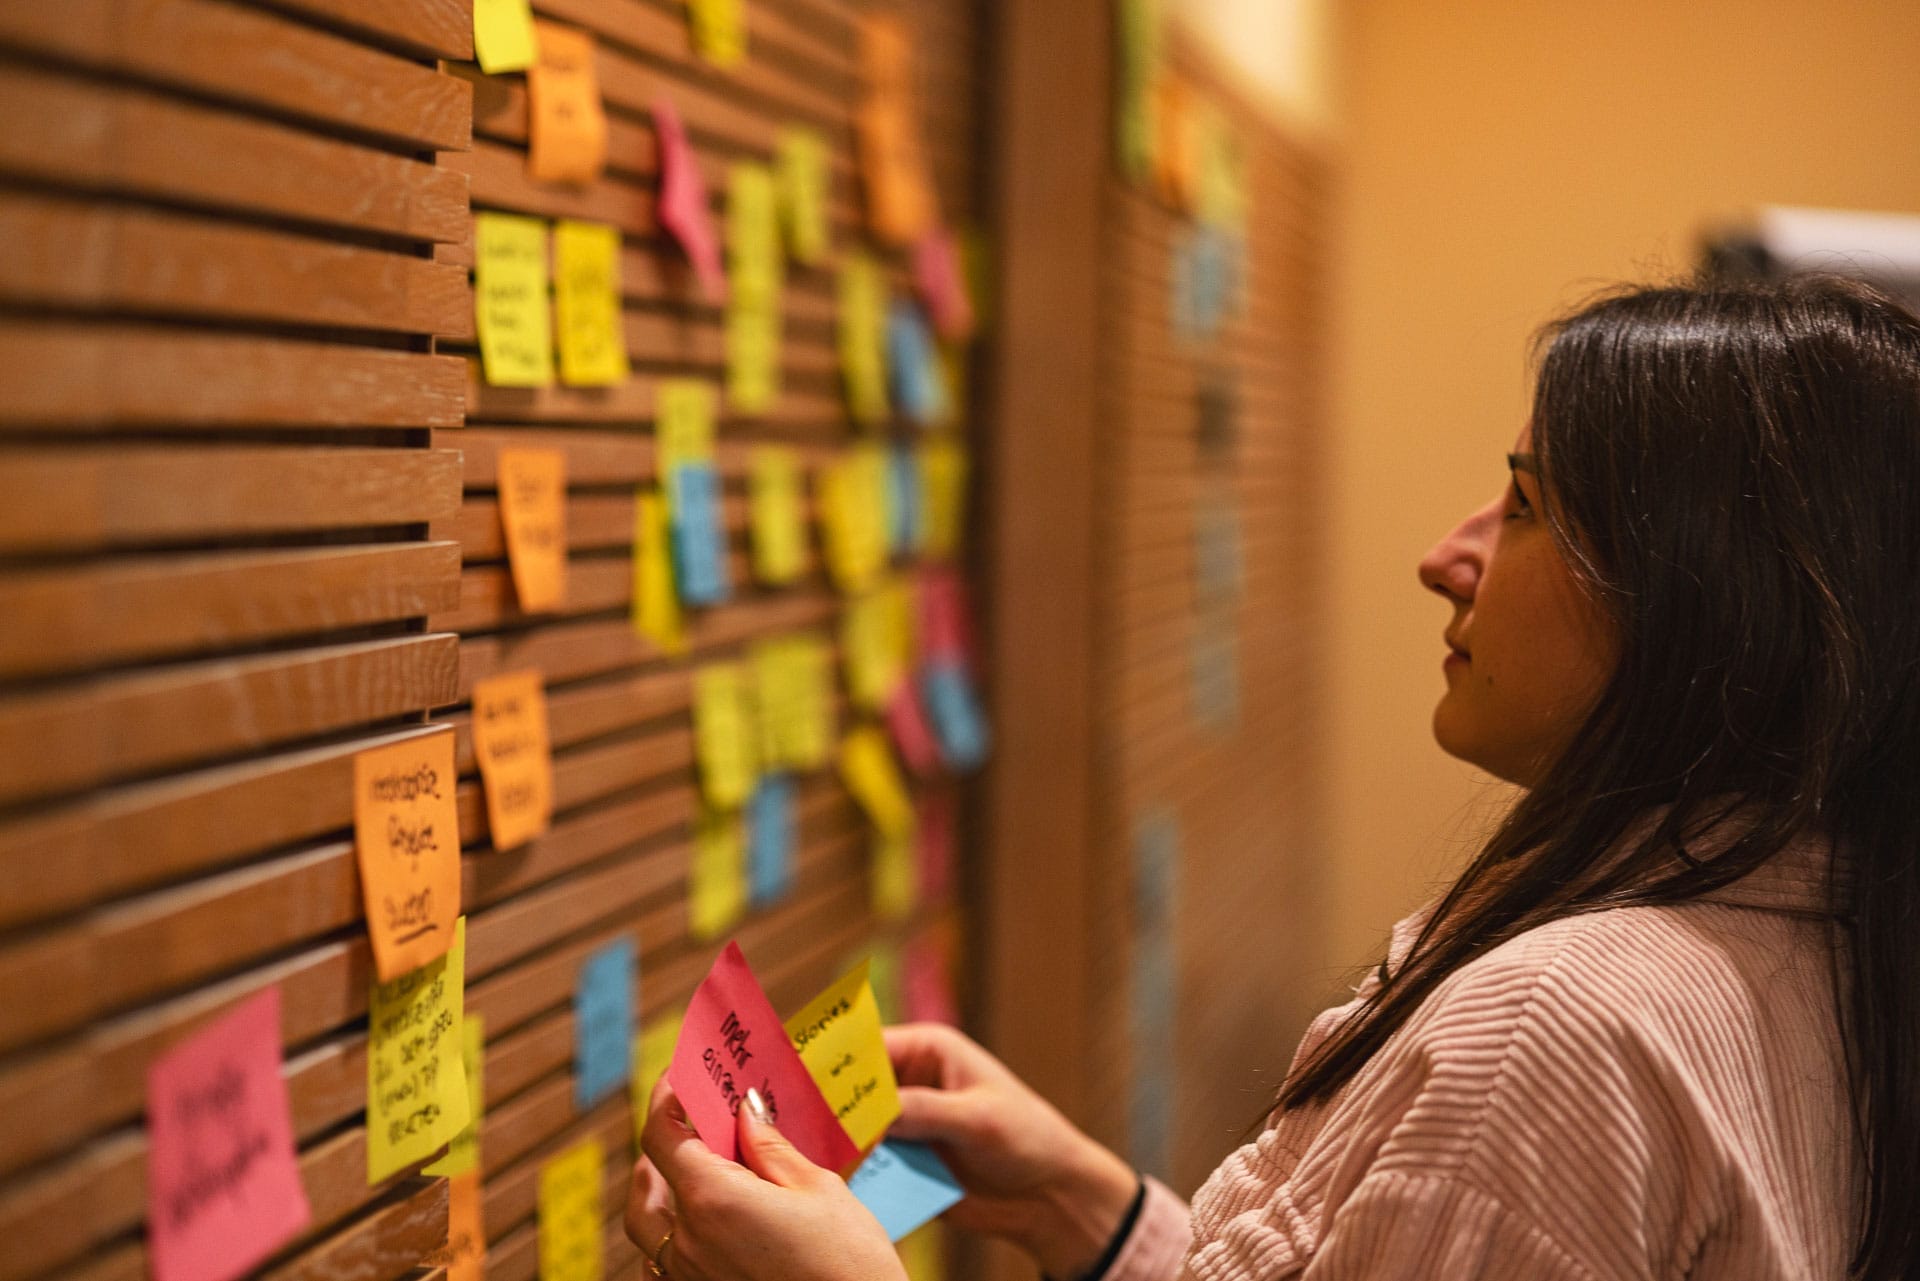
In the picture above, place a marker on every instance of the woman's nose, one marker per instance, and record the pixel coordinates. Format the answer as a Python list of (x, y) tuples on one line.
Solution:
[(1453, 565)]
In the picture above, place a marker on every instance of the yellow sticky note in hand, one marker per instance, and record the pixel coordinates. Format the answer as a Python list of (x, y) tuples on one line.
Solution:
[(656, 605), (586, 299), (533, 514), (719, 31), (463, 1151), (838, 1037), (867, 766), (510, 307), (802, 173), (514, 751), (717, 876), (572, 1226), (652, 1052), (792, 678), (724, 738), (778, 515), (566, 125), (416, 1084), (503, 35), (862, 338), (943, 489)]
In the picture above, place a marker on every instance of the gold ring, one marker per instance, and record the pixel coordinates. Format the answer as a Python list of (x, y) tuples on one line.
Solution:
[(656, 1258)]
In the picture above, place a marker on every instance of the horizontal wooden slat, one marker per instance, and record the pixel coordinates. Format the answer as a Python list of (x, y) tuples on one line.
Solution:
[(62, 129), (101, 255), (252, 59), (443, 28), (74, 499)]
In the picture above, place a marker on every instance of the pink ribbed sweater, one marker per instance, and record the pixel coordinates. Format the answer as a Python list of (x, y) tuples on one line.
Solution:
[(1642, 1092)]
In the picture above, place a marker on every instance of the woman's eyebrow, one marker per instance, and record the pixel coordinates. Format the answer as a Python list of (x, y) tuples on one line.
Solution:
[(1520, 462)]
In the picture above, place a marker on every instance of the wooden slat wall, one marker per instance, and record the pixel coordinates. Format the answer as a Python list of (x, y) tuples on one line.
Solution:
[(249, 528)]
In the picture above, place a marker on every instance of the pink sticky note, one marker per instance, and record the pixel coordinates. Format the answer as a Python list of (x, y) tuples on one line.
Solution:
[(907, 720), (942, 284), (927, 992), (944, 629), (223, 1190), (732, 1040), (684, 210), (934, 822)]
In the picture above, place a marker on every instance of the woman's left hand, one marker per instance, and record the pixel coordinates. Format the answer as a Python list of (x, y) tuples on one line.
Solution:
[(775, 1216)]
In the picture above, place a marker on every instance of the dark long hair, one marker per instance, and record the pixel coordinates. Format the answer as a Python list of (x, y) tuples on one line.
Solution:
[(1733, 471)]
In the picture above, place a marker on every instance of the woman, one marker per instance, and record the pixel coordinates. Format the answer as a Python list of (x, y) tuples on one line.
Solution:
[(1668, 1022)]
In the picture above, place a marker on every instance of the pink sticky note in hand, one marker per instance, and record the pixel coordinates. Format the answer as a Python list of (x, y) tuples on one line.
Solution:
[(683, 206), (732, 1041), (942, 285), (907, 720), (223, 1188)]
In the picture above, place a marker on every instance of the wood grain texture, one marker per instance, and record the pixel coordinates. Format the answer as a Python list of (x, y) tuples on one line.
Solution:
[(441, 28)]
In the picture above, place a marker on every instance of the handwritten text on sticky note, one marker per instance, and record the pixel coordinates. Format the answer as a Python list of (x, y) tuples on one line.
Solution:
[(406, 833), (416, 1081), (838, 1037), (463, 1150), (566, 125), (533, 514), (586, 304), (571, 1228), (510, 741), (511, 313)]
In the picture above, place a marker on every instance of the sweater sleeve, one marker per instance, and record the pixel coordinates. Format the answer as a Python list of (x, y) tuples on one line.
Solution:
[(1435, 1229), (1158, 1243)]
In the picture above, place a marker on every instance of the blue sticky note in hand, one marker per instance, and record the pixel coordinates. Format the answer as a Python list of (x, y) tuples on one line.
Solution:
[(603, 1023), (770, 839), (699, 544), (957, 720), (904, 1185)]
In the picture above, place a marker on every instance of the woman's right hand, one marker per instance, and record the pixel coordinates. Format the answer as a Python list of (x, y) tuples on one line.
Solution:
[(1031, 1177)]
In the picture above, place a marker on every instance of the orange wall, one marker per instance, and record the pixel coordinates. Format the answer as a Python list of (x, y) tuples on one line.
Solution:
[(1501, 158)]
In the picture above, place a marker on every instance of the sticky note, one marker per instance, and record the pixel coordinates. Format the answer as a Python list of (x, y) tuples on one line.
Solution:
[(853, 518), (732, 1041), (572, 1228), (725, 740), (566, 125), (770, 840), (1174, 139), (893, 163), (465, 1254), (502, 35), (755, 274), (652, 1052), (603, 1023), (406, 835), (778, 515), (957, 719), (883, 967), (923, 1253), (716, 875), (801, 172), (510, 308), (656, 604), (861, 336), (793, 688), (926, 985), (533, 512), (944, 630), (223, 1186), (586, 303), (838, 1037), (891, 885), (934, 827), (943, 496), (511, 744), (683, 209), (907, 722), (719, 31), (1137, 32), (699, 541), (870, 774), (463, 1150), (903, 500), (904, 1185), (942, 285), (919, 382), (683, 413), (872, 636), (416, 1081)]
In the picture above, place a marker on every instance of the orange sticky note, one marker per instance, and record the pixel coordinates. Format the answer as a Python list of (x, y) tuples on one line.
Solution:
[(406, 832), (893, 164), (464, 1256), (567, 127), (533, 511), (516, 764)]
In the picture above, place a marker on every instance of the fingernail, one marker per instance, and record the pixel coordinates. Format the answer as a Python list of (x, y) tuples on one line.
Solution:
[(757, 1107)]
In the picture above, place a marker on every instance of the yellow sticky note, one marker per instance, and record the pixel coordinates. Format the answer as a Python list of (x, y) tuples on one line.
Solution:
[(924, 1253), (406, 831), (717, 876), (572, 1226), (802, 172), (586, 303), (463, 1152), (755, 274), (503, 35), (510, 300), (862, 338), (724, 738), (656, 605), (853, 518), (719, 31), (566, 125), (533, 514), (514, 751), (683, 413), (792, 678), (893, 875), (778, 514), (943, 495), (416, 1085), (838, 1037), (867, 766), (652, 1052), (871, 635)]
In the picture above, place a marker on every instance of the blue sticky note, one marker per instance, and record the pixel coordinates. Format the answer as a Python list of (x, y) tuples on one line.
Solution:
[(603, 1023), (903, 500), (904, 1185), (913, 364), (957, 719), (699, 545), (770, 839)]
